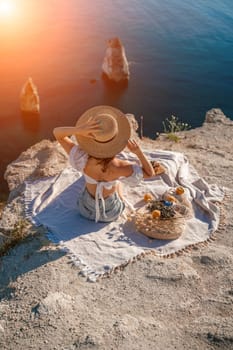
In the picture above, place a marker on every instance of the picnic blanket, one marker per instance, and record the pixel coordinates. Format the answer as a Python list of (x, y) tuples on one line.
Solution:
[(99, 248)]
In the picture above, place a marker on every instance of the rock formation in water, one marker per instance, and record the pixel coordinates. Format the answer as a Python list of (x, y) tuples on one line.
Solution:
[(115, 65), (29, 98)]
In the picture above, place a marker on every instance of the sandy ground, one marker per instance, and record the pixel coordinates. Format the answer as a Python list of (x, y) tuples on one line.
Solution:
[(180, 303)]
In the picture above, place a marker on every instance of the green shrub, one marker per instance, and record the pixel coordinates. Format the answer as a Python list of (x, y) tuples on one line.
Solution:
[(173, 125)]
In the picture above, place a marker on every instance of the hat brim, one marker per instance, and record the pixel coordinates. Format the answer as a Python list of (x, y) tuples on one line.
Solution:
[(105, 149)]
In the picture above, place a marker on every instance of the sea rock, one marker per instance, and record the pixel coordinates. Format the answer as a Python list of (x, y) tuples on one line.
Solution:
[(29, 98), (115, 65)]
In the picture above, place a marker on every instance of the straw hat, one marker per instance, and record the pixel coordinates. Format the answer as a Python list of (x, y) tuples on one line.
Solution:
[(113, 136)]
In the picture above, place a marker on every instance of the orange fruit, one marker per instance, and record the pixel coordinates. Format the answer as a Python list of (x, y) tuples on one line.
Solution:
[(179, 190), (170, 198), (148, 197), (156, 214)]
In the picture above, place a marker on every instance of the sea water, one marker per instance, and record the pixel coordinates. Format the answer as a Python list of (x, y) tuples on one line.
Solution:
[(180, 55)]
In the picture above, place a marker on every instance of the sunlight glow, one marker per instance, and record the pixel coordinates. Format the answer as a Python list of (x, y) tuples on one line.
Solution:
[(6, 8)]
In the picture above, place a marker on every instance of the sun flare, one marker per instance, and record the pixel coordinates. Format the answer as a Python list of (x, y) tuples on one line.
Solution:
[(6, 7)]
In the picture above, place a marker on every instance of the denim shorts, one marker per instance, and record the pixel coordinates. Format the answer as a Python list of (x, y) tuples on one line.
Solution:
[(114, 206)]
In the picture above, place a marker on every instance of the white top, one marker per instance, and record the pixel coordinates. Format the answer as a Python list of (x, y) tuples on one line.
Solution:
[(78, 159)]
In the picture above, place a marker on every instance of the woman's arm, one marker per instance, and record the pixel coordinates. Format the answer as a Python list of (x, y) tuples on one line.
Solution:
[(62, 136), (62, 133), (148, 170), (125, 168)]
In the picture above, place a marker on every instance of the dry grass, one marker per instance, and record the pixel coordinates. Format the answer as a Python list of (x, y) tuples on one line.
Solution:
[(173, 137), (17, 234)]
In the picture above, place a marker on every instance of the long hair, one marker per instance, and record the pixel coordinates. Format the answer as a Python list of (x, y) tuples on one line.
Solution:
[(103, 162)]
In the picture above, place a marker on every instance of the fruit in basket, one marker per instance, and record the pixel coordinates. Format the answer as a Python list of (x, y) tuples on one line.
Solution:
[(156, 214), (170, 198), (179, 190), (148, 197)]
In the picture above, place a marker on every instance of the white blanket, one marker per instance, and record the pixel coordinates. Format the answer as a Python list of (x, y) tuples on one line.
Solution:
[(99, 248)]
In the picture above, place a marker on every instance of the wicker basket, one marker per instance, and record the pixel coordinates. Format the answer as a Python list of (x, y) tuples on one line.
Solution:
[(164, 218), (161, 228)]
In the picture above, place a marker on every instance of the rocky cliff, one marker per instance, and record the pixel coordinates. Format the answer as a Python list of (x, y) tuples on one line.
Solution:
[(184, 303)]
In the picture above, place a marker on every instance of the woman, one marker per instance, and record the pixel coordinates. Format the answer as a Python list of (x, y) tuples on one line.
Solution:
[(102, 132)]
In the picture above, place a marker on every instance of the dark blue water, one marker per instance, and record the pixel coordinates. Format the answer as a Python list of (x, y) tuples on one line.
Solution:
[(180, 54)]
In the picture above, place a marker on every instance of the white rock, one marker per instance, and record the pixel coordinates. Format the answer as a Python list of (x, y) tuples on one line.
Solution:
[(29, 98), (43, 159), (115, 65), (215, 115), (56, 302)]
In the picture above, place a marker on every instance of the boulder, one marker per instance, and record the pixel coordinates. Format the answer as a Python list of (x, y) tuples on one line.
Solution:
[(29, 98), (115, 65), (43, 159), (134, 126), (216, 115)]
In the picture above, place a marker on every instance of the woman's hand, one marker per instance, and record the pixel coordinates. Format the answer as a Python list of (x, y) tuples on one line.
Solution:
[(133, 146), (147, 168), (89, 128)]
